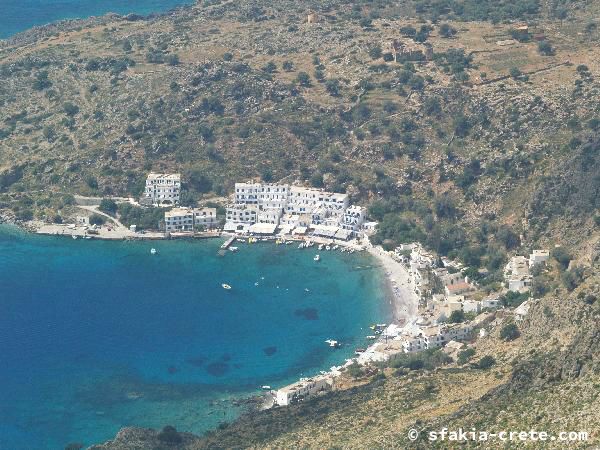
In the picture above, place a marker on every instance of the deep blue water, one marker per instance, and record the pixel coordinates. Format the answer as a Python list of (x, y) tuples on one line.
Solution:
[(99, 335), (20, 15)]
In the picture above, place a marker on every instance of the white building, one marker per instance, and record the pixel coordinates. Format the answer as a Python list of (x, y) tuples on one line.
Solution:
[(353, 218), (517, 274), (179, 219), (205, 218), (294, 206), (162, 189), (241, 213), (302, 389), (538, 257), (187, 219)]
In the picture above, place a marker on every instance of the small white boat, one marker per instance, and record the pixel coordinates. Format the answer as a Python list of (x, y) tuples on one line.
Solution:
[(266, 388), (226, 286), (301, 245), (74, 237), (320, 246), (233, 249), (153, 251), (333, 344), (371, 337), (328, 248), (335, 247), (317, 258)]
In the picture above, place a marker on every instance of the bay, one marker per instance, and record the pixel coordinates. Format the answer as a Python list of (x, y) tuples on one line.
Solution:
[(98, 335)]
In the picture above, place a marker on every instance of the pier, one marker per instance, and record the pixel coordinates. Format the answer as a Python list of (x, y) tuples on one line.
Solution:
[(227, 243)]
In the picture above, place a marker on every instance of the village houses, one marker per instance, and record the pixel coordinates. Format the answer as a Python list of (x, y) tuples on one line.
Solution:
[(162, 189)]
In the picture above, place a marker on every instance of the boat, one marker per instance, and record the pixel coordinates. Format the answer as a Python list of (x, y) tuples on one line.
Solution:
[(241, 240), (226, 286), (333, 344), (317, 258), (266, 388), (233, 249), (153, 251), (335, 247), (358, 351), (328, 248), (320, 246), (74, 237), (301, 245), (371, 337)]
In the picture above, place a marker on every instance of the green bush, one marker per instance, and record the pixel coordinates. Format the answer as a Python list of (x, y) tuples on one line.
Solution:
[(108, 206), (465, 355), (509, 332), (485, 363), (97, 219)]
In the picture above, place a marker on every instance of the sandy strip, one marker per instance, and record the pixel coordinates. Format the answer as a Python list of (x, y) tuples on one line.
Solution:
[(404, 298)]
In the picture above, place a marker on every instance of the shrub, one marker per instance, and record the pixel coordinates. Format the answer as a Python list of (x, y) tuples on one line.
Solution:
[(355, 370), (108, 206), (303, 79), (70, 109), (509, 332), (465, 355), (457, 316), (562, 257), (544, 48), (97, 219), (485, 363)]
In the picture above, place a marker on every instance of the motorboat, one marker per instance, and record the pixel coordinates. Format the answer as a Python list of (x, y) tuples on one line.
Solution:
[(333, 344), (321, 246), (371, 337), (266, 388), (226, 286), (153, 251), (328, 248), (233, 249), (317, 258)]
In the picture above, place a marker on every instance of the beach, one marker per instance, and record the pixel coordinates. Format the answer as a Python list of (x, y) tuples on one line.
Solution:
[(405, 300)]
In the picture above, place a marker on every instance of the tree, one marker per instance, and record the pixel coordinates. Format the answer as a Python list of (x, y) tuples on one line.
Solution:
[(108, 206), (375, 52), (507, 237), (457, 316), (227, 56), (288, 66), (515, 73), (408, 31), (447, 31), (303, 79), (333, 87), (270, 67), (41, 81), (544, 48), (97, 219), (509, 332), (465, 355), (486, 362), (173, 59), (562, 257), (70, 109)]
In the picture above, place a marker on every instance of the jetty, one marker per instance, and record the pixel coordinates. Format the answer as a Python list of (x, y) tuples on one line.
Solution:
[(227, 243)]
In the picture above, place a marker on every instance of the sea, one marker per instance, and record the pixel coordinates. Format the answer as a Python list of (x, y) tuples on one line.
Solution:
[(20, 15), (98, 335)]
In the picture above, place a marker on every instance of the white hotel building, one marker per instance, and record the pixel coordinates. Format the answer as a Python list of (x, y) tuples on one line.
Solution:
[(162, 189), (293, 206), (187, 219)]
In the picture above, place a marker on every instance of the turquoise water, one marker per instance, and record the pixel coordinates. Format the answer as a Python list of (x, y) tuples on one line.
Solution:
[(99, 335), (20, 15)]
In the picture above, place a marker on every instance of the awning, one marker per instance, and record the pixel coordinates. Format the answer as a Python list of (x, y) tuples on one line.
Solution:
[(263, 228)]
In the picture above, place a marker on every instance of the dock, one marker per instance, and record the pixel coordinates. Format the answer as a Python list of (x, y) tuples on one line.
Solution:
[(227, 243)]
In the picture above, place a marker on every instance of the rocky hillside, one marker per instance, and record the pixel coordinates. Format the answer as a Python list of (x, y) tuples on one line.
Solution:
[(469, 125)]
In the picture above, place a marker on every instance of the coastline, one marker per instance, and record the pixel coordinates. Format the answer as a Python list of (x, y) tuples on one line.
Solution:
[(405, 301)]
